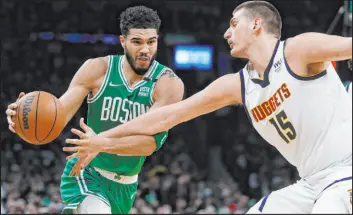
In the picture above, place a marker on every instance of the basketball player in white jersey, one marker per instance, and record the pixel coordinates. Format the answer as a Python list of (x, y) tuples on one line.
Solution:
[(294, 99)]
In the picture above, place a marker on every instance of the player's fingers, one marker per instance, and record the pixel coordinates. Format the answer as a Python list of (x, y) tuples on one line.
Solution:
[(79, 133), (12, 106), (10, 112), (20, 96), (75, 141), (73, 149), (10, 122), (87, 161), (74, 155), (75, 170), (12, 129), (83, 125)]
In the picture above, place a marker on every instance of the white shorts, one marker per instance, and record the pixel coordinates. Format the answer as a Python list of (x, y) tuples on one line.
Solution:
[(329, 191)]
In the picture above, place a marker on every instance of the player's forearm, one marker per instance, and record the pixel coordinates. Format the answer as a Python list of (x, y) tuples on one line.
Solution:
[(150, 123), (139, 145), (71, 102), (69, 111)]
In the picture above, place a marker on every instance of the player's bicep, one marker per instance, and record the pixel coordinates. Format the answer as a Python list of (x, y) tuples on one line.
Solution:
[(222, 92), (318, 47)]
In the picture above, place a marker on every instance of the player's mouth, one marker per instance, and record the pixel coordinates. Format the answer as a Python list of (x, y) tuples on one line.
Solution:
[(230, 43), (143, 59)]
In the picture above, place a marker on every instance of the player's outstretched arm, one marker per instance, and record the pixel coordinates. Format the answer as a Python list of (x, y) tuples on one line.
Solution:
[(126, 138), (89, 76), (313, 47), (224, 91), (169, 89)]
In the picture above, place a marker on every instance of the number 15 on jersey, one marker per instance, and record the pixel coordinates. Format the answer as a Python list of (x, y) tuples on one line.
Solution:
[(284, 127)]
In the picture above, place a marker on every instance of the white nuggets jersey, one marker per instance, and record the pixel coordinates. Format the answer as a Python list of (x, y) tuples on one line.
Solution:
[(308, 119)]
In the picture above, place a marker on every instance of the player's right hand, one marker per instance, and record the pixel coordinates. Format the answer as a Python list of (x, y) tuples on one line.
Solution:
[(11, 111)]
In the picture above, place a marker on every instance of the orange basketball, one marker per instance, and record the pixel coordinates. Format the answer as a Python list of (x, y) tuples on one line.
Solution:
[(39, 118)]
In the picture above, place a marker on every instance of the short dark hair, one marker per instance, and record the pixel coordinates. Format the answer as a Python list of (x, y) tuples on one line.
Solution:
[(265, 11), (139, 17)]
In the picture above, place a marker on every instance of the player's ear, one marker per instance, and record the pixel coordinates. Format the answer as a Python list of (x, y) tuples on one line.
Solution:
[(122, 40), (257, 25)]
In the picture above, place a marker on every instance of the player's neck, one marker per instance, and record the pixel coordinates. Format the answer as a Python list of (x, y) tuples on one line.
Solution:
[(260, 53), (130, 75)]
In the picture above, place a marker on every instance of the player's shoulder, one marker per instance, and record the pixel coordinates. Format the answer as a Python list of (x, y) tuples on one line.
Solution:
[(295, 45), (168, 84), (102, 61), (167, 77), (163, 68), (97, 61), (165, 72), (94, 68)]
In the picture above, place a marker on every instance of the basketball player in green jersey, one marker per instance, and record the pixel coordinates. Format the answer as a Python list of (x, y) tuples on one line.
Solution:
[(119, 88)]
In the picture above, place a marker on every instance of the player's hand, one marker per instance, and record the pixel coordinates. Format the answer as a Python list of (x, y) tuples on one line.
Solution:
[(84, 160), (89, 142), (11, 111), (84, 155)]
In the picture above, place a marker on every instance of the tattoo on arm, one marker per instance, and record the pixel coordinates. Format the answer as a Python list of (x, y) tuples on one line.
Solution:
[(170, 74)]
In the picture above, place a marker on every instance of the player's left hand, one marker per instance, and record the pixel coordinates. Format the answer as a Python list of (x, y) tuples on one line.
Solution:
[(84, 148), (83, 161)]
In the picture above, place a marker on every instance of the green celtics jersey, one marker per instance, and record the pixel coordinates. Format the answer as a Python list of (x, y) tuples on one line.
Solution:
[(116, 103)]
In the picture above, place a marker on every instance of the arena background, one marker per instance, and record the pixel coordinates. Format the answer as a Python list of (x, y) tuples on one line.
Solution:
[(216, 163)]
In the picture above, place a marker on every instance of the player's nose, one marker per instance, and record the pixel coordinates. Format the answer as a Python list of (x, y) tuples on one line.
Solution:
[(227, 34), (145, 49)]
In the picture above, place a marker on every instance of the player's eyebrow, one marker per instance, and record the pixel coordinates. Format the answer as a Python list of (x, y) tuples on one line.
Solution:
[(232, 20), (135, 38), (138, 38)]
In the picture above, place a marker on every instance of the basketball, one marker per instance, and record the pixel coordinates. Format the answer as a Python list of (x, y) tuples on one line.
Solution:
[(39, 119)]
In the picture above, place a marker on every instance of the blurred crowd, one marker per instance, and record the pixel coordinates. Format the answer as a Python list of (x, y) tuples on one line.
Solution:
[(216, 163)]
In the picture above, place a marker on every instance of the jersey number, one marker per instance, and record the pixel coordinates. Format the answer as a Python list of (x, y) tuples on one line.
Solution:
[(284, 127)]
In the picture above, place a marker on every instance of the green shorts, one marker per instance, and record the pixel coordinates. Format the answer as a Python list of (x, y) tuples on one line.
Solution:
[(74, 189)]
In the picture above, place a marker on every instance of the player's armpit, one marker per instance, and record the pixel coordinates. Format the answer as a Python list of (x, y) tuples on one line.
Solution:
[(224, 91), (89, 76), (317, 47)]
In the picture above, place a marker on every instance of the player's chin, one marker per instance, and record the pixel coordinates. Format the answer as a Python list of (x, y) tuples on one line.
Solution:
[(234, 53), (143, 67)]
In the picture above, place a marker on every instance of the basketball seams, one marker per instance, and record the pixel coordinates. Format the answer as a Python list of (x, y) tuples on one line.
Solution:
[(36, 120), (56, 114), (44, 124), (18, 117)]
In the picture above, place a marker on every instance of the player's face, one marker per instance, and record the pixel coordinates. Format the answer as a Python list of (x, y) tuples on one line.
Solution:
[(140, 47), (240, 34)]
